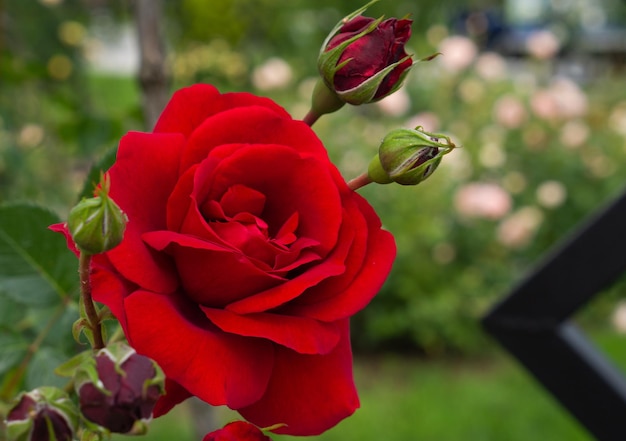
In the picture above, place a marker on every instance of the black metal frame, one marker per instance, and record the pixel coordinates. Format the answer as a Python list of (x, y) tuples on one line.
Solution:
[(532, 323)]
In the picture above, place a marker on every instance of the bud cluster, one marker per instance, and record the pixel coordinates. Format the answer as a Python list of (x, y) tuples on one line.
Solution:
[(46, 413), (117, 387)]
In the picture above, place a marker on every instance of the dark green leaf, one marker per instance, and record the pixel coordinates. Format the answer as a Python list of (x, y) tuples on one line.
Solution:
[(12, 350), (36, 268), (41, 368), (11, 312)]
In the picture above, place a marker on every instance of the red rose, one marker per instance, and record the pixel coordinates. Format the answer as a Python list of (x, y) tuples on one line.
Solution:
[(244, 256), (237, 431), (370, 54)]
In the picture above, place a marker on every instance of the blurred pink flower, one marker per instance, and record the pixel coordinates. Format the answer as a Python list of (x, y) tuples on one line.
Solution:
[(396, 104), (518, 229), (570, 98), (458, 53), (482, 200), (544, 105), (491, 66), (428, 120), (543, 44), (509, 112), (563, 99)]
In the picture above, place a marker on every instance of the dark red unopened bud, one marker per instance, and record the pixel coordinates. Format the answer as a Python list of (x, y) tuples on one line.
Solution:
[(118, 388), (43, 414), (237, 431), (364, 59)]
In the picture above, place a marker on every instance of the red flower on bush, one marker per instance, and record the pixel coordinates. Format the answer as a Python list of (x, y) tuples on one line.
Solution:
[(237, 431), (371, 60), (244, 256)]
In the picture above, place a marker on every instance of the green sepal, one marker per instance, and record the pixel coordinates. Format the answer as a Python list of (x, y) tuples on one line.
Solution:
[(69, 368), (364, 93)]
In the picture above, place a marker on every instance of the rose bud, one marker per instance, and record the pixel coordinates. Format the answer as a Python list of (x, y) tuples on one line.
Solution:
[(408, 156), (118, 387), (97, 224), (363, 59), (43, 414), (237, 431)]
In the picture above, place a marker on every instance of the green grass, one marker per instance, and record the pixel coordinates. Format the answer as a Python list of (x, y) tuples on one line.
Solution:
[(406, 399)]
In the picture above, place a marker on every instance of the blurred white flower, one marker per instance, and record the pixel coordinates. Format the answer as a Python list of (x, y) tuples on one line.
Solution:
[(518, 229), (435, 34), (492, 155), (31, 135), (617, 118), (428, 120), (459, 165), (275, 73), (482, 200), (471, 90), (396, 104), (598, 164), (618, 317), (509, 112), (458, 52), (491, 66), (551, 194), (543, 44), (514, 182), (574, 133)]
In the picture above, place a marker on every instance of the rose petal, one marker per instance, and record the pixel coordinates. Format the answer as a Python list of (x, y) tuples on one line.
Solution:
[(303, 335), (62, 228), (241, 199), (251, 125), (333, 265), (368, 267), (211, 274), (190, 106), (144, 202), (302, 185), (216, 367), (174, 394), (308, 393), (109, 287)]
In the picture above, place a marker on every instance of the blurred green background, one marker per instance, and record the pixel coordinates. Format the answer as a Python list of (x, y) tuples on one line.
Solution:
[(532, 91)]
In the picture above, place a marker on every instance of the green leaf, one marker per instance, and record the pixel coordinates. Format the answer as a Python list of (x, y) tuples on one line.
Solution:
[(36, 268), (11, 312), (93, 177), (13, 348), (41, 368)]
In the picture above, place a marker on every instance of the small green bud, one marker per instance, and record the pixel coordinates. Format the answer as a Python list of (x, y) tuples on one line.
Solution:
[(46, 413), (97, 224), (408, 156)]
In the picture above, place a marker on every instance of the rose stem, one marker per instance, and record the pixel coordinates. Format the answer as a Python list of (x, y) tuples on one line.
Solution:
[(310, 118), (84, 263), (359, 181)]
